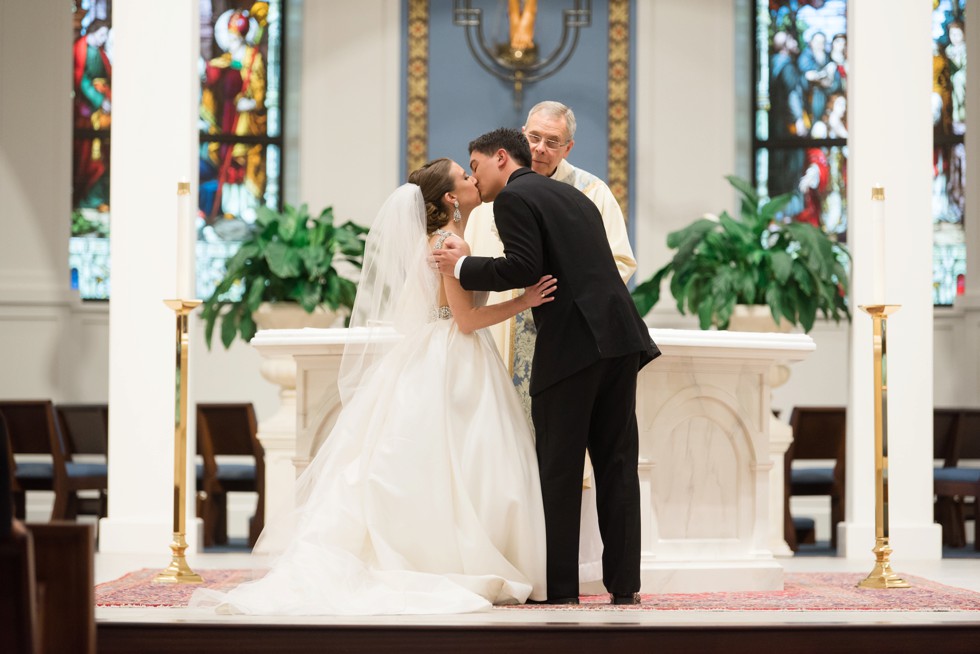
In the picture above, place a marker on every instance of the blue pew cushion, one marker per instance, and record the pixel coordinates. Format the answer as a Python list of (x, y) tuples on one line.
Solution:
[(811, 476), (34, 470), (967, 475), (86, 469)]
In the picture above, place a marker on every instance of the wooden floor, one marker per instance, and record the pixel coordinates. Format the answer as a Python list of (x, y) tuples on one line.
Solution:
[(151, 638)]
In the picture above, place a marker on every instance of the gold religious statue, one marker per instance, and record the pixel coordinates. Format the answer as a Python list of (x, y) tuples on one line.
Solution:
[(516, 59), (522, 24), (521, 50)]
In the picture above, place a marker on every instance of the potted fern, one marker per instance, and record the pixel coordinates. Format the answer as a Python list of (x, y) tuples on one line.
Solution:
[(290, 257), (793, 268)]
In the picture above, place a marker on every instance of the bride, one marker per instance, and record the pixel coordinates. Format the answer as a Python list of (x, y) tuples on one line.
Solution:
[(425, 496)]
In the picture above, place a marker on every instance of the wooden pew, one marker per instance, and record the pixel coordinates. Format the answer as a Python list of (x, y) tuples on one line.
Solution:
[(47, 598)]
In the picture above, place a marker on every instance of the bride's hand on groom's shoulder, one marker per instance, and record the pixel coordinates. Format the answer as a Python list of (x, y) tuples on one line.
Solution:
[(542, 292)]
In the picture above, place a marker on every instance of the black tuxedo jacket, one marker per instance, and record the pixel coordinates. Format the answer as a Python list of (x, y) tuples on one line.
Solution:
[(549, 227)]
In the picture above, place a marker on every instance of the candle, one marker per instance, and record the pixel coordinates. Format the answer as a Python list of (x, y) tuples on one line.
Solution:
[(185, 242), (878, 243)]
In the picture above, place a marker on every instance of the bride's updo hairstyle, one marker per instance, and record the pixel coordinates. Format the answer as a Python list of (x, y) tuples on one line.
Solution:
[(434, 180)]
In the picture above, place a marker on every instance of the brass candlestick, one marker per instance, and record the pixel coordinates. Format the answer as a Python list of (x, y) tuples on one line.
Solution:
[(178, 571), (881, 575)]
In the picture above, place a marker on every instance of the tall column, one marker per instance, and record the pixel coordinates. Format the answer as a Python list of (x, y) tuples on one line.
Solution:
[(889, 119), (154, 144)]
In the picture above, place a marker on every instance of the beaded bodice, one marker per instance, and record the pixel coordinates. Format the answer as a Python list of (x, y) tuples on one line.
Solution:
[(443, 235), (443, 312)]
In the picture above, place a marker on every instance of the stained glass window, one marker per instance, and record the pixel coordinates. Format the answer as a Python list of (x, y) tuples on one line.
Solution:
[(88, 250), (800, 122), (817, 174), (949, 153), (240, 122), (800, 135), (241, 126)]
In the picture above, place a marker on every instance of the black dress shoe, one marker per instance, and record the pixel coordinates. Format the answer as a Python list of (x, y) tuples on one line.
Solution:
[(629, 598), (561, 600)]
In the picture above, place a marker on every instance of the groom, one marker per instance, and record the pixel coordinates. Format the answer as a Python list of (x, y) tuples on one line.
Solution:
[(591, 344)]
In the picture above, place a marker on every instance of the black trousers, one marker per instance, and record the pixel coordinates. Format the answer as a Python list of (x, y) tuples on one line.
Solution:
[(596, 409)]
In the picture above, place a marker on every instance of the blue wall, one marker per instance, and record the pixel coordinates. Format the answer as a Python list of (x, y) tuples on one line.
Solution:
[(466, 101)]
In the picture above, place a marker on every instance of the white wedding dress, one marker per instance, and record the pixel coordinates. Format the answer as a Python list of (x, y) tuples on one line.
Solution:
[(424, 498)]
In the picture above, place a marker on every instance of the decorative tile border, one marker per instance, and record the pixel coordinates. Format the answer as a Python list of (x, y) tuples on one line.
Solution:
[(417, 109), (417, 75), (619, 102)]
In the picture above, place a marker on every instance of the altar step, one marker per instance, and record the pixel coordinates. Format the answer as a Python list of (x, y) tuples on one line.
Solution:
[(540, 638)]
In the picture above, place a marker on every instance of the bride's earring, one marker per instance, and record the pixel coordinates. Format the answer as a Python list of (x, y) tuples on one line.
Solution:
[(456, 215)]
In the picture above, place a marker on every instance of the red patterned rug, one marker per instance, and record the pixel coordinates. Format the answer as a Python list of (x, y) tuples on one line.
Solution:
[(802, 592)]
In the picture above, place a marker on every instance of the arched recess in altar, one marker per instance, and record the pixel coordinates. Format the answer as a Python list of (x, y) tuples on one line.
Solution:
[(700, 449)]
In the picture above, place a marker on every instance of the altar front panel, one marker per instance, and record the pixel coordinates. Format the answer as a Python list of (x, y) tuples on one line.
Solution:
[(704, 468), (705, 454)]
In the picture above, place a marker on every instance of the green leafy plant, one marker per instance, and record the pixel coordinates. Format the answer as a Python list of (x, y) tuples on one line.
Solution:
[(795, 268), (289, 257)]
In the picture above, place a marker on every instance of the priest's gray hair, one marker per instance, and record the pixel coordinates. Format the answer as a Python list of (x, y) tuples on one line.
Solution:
[(556, 110)]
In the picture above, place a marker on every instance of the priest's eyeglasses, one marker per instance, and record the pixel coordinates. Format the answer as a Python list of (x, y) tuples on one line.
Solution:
[(551, 144)]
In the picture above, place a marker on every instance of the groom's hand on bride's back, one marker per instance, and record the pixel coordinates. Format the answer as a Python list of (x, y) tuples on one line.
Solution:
[(456, 243), (444, 260)]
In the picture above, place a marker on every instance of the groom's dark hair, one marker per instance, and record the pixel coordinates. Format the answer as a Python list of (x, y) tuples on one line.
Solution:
[(505, 138)]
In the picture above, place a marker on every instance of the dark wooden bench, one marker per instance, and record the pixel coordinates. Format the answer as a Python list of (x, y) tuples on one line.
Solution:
[(956, 436)]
